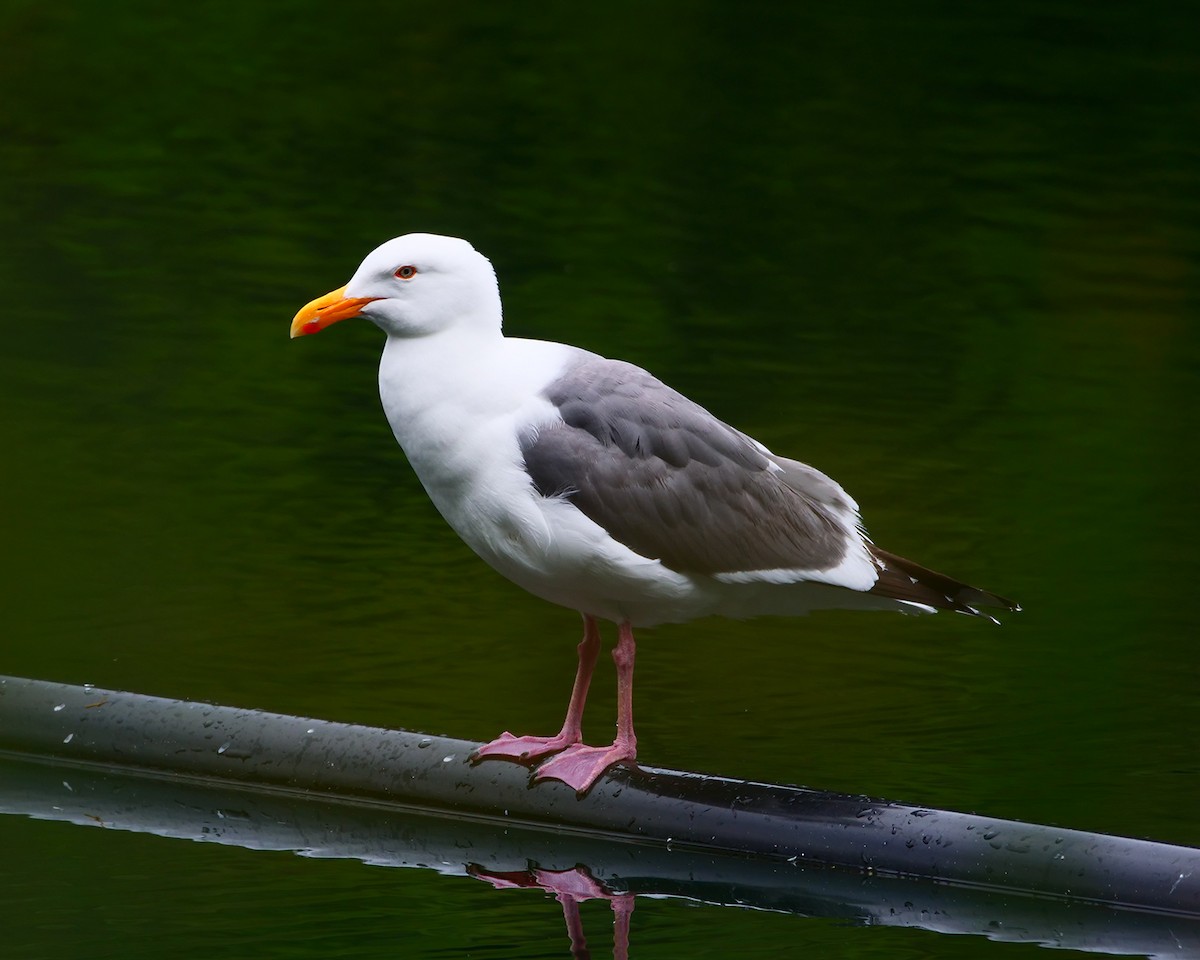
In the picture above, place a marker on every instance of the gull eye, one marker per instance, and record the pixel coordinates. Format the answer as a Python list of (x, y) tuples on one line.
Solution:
[(406, 272)]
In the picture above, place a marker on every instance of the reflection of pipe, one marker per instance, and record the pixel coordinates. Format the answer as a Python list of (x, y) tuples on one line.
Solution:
[(682, 811)]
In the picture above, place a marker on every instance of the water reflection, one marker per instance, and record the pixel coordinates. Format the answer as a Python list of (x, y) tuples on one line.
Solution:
[(570, 888), (572, 866)]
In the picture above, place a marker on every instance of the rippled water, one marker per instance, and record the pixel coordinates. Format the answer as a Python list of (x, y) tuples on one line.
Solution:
[(949, 260)]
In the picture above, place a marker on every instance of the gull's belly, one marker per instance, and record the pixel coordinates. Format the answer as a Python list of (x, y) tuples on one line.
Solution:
[(551, 549)]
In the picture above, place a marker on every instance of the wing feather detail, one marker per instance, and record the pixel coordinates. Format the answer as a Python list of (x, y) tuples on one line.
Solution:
[(672, 482)]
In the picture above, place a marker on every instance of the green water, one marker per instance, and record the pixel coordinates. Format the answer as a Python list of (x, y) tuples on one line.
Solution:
[(951, 259)]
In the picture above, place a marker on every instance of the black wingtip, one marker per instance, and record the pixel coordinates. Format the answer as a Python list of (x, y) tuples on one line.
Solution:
[(902, 579)]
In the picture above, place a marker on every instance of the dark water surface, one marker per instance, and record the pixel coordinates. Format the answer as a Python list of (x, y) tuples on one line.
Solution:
[(951, 260)]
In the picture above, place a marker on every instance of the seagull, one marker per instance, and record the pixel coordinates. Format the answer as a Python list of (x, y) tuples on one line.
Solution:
[(594, 485)]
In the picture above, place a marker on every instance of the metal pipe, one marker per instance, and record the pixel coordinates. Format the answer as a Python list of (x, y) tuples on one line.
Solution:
[(382, 834), (681, 811)]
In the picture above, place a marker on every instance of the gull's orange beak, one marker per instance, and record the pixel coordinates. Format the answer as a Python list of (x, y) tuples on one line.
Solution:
[(334, 306)]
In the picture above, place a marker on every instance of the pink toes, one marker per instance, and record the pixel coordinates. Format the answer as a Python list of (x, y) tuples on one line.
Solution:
[(522, 749), (580, 766)]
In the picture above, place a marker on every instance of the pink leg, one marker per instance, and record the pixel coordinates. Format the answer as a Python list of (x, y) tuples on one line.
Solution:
[(622, 908), (521, 749), (580, 766), (579, 947)]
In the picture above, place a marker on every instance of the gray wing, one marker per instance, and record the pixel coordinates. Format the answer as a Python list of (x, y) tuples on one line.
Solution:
[(672, 482)]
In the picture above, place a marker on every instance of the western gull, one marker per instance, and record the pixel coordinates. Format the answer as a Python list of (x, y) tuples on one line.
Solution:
[(594, 485)]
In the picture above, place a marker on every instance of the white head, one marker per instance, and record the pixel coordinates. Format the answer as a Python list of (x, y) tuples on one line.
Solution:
[(413, 286)]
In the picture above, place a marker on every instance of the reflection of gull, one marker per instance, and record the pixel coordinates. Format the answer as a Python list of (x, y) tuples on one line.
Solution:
[(570, 888), (594, 485)]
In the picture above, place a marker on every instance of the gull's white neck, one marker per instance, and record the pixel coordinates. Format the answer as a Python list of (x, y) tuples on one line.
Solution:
[(456, 401)]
